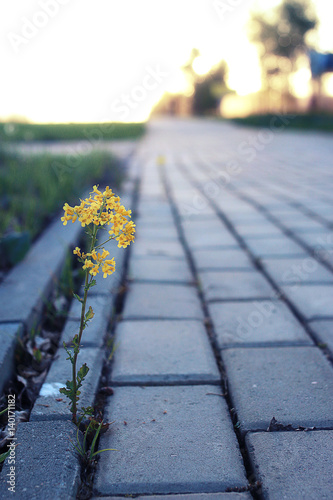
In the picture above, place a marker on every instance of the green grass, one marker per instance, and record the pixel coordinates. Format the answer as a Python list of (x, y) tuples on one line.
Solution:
[(33, 189), (12, 131), (322, 122)]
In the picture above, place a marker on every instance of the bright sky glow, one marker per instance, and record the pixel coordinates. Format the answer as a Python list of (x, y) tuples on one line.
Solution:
[(77, 60)]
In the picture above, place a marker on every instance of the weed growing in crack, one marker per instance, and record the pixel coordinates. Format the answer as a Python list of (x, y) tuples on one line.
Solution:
[(101, 211)]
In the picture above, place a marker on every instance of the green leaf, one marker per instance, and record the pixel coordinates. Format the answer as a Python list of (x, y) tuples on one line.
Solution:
[(94, 441), (101, 451), (89, 314), (77, 297), (3, 456), (81, 374)]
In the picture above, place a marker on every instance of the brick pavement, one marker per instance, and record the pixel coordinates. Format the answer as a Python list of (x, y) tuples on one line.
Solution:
[(230, 281), (223, 373)]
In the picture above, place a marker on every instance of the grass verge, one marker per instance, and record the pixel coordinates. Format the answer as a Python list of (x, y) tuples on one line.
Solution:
[(12, 132), (33, 190), (322, 122)]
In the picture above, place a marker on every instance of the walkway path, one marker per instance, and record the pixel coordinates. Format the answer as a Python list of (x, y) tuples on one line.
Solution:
[(223, 374)]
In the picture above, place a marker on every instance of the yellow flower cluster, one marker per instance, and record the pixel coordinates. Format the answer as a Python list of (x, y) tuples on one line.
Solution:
[(108, 266), (102, 209)]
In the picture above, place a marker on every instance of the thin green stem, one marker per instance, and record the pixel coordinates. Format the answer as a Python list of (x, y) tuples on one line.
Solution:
[(104, 242), (82, 321)]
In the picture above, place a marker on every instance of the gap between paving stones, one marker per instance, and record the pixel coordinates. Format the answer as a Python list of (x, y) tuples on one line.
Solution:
[(208, 325)]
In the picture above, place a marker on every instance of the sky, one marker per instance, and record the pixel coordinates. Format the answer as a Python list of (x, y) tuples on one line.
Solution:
[(111, 60)]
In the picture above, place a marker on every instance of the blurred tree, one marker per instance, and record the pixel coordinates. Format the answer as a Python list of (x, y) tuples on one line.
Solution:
[(281, 37), (209, 89)]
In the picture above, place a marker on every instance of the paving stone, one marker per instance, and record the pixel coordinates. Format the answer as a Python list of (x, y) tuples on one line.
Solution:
[(163, 352), (292, 384), (260, 230), (323, 239), (297, 270), (295, 465), (256, 323), (220, 258), (9, 333), (153, 248), (157, 301), (156, 207), (312, 301), (44, 448), (160, 269), (175, 440), (275, 247), (162, 232), (220, 237), (26, 288), (323, 331), (193, 496), (94, 333), (231, 285), (51, 405)]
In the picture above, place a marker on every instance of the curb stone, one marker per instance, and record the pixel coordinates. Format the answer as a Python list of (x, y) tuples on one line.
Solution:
[(9, 333), (46, 465), (25, 289), (191, 496)]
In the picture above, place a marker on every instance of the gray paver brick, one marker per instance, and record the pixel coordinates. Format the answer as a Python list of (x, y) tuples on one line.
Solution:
[(267, 322), (293, 465), (94, 333), (163, 232), (160, 269), (312, 301), (46, 467), (324, 332), (233, 285), (46, 406), (160, 352), (297, 270), (205, 239), (292, 384), (176, 440), (274, 247), (221, 259), (159, 248), (9, 333), (259, 230), (156, 301)]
